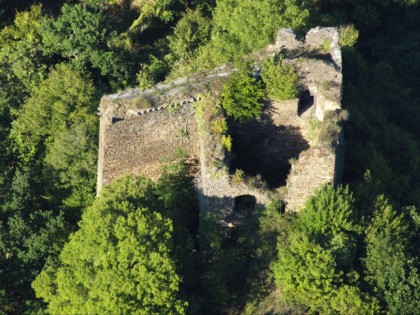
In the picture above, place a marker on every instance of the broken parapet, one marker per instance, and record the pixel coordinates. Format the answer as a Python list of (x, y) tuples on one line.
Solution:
[(317, 59), (325, 38), (317, 40)]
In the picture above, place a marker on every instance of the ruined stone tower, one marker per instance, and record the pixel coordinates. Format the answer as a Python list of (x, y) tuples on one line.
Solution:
[(295, 147)]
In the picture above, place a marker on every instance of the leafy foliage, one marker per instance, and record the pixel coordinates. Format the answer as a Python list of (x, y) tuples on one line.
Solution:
[(252, 25), (242, 97), (118, 261), (52, 70), (348, 36), (281, 80), (240, 27), (306, 270), (329, 212), (21, 53), (72, 158), (227, 142), (191, 31), (176, 190), (318, 254), (29, 238), (63, 99), (81, 34), (390, 269)]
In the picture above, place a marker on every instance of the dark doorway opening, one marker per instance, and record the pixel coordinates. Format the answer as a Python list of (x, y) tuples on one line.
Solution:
[(245, 204), (306, 100)]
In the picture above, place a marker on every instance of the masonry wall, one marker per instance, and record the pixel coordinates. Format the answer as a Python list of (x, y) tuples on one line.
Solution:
[(138, 144), (314, 168)]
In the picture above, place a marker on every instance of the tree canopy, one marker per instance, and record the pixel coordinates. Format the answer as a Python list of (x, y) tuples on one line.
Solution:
[(118, 261)]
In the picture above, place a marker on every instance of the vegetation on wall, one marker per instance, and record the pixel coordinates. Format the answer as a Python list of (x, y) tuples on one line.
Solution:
[(350, 250), (242, 97), (281, 80)]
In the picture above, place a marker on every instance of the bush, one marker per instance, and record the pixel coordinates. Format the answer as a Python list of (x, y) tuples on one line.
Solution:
[(219, 126), (348, 36), (227, 142), (238, 177), (242, 97), (281, 81)]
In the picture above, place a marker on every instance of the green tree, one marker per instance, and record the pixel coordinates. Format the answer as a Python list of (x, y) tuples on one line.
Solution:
[(175, 188), (350, 300), (330, 211), (55, 133), (118, 261), (82, 35), (29, 238), (242, 97), (72, 157), (21, 48), (65, 98), (315, 265), (191, 31), (389, 268), (225, 255), (160, 9), (305, 271), (281, 80), (348, 36), (253, 24), (330, 219), (241, 27)]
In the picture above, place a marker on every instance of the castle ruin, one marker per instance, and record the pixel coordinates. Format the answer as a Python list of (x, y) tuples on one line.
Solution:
[(293, 149)]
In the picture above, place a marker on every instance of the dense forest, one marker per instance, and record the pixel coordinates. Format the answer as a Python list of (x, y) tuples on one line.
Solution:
[(141, 247)]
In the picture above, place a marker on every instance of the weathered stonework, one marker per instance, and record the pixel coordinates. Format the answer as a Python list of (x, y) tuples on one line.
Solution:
[(139, 128)]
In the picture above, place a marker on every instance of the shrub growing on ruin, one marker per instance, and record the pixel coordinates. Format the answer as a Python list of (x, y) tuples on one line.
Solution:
[(238, 177), (242, 97), (348, 36), (227, 142), (281, 80), (220, 126)]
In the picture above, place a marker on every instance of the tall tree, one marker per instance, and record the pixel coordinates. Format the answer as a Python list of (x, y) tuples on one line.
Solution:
[(65, 98), (118, 261), (315, 265), (83, 35), (390, 268), (29, 238), (21, 49)]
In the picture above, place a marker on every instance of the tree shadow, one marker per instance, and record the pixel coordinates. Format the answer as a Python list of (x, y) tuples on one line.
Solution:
[(229, 238)]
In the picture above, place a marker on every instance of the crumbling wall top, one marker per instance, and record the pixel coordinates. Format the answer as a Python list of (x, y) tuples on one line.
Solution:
[(318, 39), (327, 38)]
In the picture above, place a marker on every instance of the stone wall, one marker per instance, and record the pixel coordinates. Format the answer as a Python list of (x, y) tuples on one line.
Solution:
[(138, 144), (314, 168)]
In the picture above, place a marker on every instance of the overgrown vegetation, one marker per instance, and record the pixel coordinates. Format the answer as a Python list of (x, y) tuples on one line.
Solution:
[(281, 80), (122, 240), (349, 251), (242, 97)]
